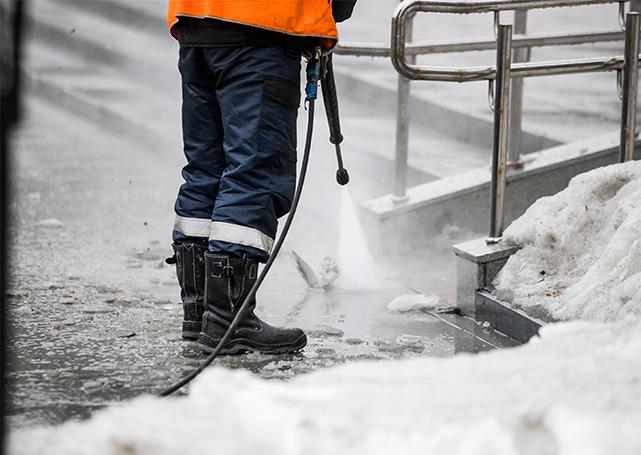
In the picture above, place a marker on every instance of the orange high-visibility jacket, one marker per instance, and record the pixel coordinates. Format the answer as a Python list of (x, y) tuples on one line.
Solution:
[(295, 17)]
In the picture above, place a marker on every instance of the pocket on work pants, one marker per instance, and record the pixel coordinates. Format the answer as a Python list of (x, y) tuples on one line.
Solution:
[(277, 135)]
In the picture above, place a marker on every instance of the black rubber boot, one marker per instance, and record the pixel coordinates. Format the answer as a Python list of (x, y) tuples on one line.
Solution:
[(190, 269), (227, 284)]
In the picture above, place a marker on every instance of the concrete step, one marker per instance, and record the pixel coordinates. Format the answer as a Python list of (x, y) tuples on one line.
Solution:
[(114, 63), (378, 87), (107, 87), (438, 148), (150, 116), (464, 200), (105, 43), (101, 94), (148, 15)]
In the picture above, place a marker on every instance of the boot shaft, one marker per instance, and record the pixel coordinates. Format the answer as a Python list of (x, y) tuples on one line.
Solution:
[(190, 271), (228, 282)]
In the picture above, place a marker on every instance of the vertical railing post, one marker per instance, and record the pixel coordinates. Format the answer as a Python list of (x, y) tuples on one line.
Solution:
[(516, 95), (630, 87), (501, 128), (402, 129)]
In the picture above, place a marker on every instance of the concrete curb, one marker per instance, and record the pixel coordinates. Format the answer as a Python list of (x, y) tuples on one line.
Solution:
[(463, 200), (477, 264)]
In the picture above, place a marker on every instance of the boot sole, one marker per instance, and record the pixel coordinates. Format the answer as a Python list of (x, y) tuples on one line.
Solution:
[(242, 346)]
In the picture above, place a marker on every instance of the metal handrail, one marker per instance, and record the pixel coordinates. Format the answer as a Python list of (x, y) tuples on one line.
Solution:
[(507, 120), (630, 86), (528, 69), (505, 71), (519, 41), (406, 11), (522, 45), (490, 6)]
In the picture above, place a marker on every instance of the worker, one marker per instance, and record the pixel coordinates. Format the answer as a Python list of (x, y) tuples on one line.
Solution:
[(240, 62)]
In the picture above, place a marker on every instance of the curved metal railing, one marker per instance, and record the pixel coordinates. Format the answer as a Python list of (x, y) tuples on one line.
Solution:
[(408, 9), (501, 75)]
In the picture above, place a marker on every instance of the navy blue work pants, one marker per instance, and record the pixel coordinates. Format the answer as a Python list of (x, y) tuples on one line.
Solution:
[(239, 131)]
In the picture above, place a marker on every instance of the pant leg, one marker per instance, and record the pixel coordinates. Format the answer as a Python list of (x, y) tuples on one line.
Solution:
[(258, 90), (203, 148)]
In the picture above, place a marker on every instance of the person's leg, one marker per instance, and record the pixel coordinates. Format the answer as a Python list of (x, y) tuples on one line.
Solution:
[(203, 148), (202, 137), (258, 90), (259, 94)]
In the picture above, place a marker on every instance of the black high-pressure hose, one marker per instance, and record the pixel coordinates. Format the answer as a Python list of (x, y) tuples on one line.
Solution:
[(312, 81)]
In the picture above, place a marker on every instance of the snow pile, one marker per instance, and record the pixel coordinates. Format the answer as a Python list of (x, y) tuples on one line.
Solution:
[(577, 390), (412, 302), (580, 254)]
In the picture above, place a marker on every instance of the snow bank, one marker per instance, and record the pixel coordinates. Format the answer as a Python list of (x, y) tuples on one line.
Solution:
[(577, 390), (413, 302), (580, 254)]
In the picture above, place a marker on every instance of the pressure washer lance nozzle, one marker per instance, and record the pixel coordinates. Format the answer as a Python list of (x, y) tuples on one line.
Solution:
[(342, 176)]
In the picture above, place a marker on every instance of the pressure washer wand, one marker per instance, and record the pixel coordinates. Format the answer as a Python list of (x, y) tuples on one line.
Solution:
[(330, 100)]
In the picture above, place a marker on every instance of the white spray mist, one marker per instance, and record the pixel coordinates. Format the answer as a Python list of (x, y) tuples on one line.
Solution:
[(358, 270)]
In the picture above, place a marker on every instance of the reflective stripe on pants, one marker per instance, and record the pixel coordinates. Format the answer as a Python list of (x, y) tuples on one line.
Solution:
[(223, 232)]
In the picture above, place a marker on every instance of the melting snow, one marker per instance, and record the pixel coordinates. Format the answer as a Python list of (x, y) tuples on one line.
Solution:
[(580, 254), (576, 390), (413, 302)]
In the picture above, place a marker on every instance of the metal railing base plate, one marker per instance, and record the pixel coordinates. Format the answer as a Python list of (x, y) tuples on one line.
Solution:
[(502, 317)]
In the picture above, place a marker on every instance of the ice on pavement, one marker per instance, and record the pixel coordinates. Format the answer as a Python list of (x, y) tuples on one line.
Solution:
[(576, 390), (414, 302), (580, 255)]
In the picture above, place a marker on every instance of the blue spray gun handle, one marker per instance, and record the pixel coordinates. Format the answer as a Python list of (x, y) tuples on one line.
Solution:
[(313, 76)]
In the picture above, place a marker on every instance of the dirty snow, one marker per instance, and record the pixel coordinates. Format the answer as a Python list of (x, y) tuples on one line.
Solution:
[(414, 302), (580, 255), (576, 390)]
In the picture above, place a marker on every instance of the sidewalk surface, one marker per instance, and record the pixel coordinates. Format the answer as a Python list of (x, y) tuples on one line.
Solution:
[(94, 312)]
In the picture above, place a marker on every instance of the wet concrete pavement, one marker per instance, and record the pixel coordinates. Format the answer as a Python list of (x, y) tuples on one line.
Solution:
[(94, 314)]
